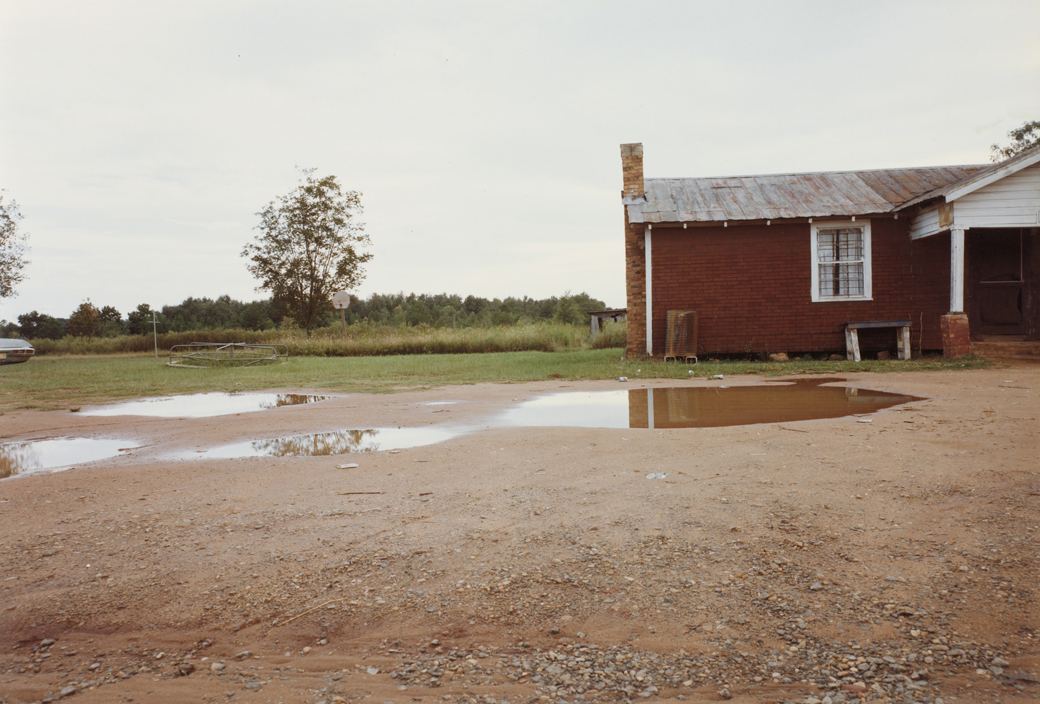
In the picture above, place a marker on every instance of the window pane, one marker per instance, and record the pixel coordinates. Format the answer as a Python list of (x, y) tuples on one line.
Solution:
[(840, 244), (841, 279)]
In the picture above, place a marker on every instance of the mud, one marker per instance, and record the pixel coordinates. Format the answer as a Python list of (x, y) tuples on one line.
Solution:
[(886, 561)]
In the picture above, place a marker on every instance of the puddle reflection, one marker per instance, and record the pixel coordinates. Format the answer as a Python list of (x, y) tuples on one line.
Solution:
[(202, 405), (702, 407), (42, 455), (340, 442)]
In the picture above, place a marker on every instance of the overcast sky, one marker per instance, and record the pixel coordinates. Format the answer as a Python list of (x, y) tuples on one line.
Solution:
[(141, 138)]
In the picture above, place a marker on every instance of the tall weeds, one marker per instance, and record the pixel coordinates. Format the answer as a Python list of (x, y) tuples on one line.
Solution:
[(359, 340)]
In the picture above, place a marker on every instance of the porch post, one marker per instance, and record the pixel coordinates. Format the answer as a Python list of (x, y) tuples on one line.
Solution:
[(956, 333), (649, 295), (957, 270)]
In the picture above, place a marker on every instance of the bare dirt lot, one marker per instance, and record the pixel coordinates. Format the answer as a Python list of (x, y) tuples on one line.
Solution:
[(894, 560)]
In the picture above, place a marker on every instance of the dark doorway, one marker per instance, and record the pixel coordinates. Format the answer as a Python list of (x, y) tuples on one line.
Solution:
[(998, 282)]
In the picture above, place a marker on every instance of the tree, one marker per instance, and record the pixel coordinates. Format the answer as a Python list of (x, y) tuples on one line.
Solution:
[(85, 320), (307, 248), (13, 248), (1022, 138), (40, 326)]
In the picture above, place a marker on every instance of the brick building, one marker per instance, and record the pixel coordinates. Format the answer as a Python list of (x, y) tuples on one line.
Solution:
[(781, 263)]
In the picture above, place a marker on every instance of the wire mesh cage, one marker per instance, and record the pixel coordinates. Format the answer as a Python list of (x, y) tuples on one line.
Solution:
[(200, 355)]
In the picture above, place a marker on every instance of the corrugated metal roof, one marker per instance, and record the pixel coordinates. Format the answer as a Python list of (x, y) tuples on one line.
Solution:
[(779, 196), (999, 169)]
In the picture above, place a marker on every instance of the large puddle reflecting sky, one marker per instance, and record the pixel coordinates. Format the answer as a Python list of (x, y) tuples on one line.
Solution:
[(664, 408), (680, 407), (202, 405), (43, 455), (701, 407)]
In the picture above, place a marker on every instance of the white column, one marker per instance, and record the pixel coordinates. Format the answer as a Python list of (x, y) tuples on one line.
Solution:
[(649, 294), (650, 408), (957, 270)]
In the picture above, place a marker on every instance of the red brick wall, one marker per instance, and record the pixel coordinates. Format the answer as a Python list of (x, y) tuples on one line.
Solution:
[(751, 287)]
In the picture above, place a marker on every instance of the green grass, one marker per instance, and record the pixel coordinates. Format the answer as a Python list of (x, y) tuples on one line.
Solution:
[(57, 382)]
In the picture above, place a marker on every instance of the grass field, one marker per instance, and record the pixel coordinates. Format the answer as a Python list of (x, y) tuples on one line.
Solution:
[(57, 382)]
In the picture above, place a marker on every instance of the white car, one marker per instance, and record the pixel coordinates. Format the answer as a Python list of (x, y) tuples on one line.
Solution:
[(14, 351)]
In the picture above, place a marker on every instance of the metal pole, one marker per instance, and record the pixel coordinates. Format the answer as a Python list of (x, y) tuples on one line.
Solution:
[(155, 334)]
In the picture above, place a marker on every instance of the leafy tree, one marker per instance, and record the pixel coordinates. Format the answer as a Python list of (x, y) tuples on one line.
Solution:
[(139, 322), (1022, 138), (567, 311), (40, 326), (85, 320), (308, 247), (110, 322), (13, 248)]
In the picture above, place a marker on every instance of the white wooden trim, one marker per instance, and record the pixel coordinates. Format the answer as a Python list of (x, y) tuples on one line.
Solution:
[(650, 408), (649, 294), (925, 224), (814, 228), (957, 270)]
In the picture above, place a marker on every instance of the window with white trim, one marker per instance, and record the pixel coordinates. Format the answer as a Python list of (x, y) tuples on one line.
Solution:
[(841, 261)]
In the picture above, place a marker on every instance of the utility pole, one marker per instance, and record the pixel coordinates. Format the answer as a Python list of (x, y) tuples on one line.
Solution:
[(155, 334)]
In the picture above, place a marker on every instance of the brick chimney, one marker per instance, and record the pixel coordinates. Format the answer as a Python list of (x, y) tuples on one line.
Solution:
[(632, 170)]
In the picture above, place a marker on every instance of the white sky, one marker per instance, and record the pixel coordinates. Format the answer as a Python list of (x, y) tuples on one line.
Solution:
[(140, 138)]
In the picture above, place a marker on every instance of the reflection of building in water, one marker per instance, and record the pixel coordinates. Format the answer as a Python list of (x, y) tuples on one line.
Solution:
[(709, 407), (339, 442), (17, 457)]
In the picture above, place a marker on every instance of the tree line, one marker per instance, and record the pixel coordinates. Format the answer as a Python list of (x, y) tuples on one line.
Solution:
[(226, 313)]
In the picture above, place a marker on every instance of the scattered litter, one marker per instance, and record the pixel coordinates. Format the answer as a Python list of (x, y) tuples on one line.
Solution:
[(358, 493), (717, 376), (352, 465), (864, 420), (656, 475), (372, 670), (622, 378), (690, 372)]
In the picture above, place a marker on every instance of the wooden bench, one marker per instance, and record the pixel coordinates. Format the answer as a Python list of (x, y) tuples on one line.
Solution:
[(902, 337)]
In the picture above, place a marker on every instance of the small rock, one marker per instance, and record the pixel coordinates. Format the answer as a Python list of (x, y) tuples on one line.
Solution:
[(372, 670), (47, 642), (816, 586), (67, 691), (725, 693), (217, 667), (999, 662)]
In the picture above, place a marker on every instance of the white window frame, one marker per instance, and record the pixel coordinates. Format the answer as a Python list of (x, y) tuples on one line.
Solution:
[(814, 230)]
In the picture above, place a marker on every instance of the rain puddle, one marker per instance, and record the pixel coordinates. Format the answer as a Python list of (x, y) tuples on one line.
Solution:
[(339, 442), (202, 405), (58, 453), (702, 407), (682, 407)]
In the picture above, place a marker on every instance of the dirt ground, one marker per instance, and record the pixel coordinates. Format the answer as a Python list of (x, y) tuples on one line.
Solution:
[(829, 560)]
